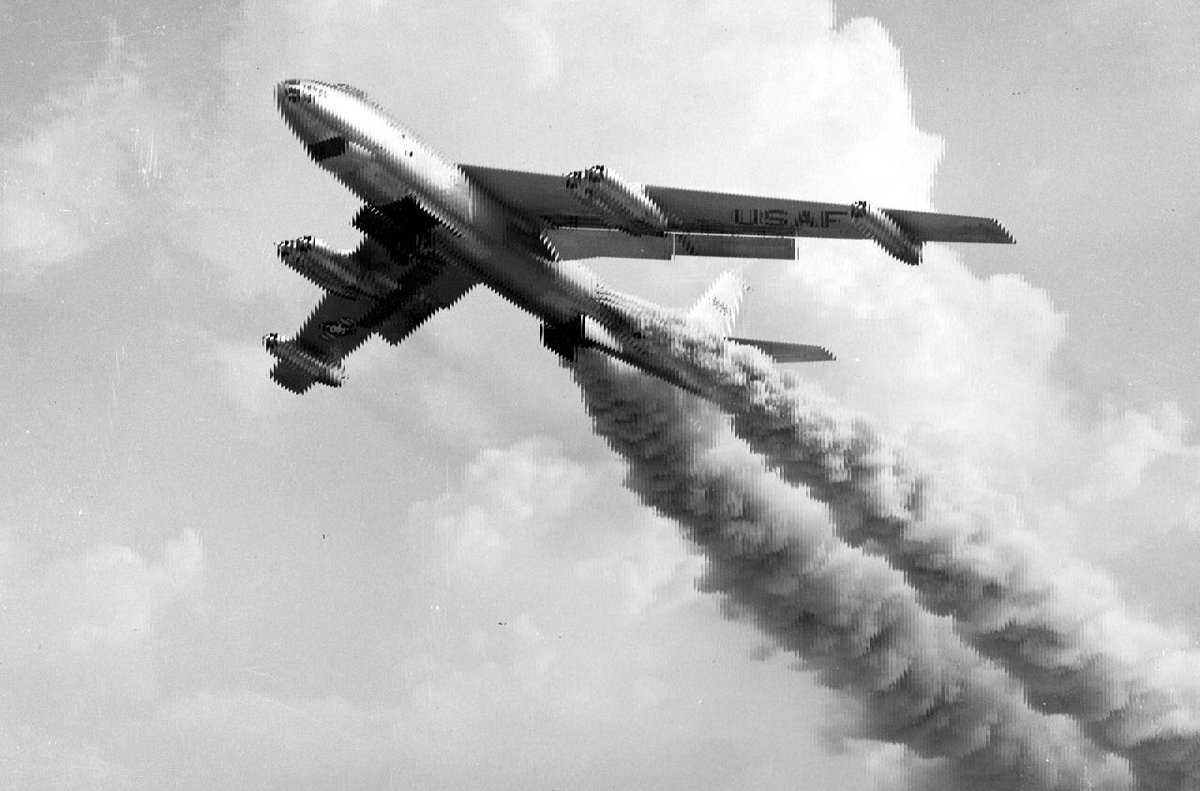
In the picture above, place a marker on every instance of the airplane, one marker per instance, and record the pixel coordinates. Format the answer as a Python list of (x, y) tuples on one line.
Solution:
[(433, 230)]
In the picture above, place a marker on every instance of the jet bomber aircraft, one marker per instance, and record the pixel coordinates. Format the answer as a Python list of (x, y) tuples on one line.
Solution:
[(432, 230)]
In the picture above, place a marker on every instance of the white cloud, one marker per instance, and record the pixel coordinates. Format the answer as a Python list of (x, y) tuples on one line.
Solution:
[(532, 22), (588, 659), (79, 661), (105, 600), (771, 102), (80, 181), (1128, 442)]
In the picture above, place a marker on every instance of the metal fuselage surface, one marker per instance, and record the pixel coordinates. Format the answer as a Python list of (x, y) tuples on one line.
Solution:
[(382, 163)]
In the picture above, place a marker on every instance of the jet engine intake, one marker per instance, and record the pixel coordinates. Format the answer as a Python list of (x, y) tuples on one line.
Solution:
[(337, 271), (625, 204), (879, 226), (292, 353)]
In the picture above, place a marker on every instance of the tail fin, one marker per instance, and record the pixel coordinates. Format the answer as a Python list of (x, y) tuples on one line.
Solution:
[(717, 310)]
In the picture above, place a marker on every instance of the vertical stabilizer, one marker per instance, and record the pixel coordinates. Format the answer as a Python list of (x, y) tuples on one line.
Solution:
[(717, 310)]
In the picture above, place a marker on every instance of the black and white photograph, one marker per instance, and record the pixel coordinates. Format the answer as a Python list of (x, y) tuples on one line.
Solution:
[(787, 394)]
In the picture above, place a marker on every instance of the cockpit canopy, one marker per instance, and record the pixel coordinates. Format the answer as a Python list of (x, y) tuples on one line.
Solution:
[(350, 89)]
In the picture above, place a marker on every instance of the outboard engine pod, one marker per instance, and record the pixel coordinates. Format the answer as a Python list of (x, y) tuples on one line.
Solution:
[(878, 225), (292, 353)]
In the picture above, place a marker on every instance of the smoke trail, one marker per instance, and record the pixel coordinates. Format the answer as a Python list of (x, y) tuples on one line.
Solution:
[(850, 617), (1059, 628)]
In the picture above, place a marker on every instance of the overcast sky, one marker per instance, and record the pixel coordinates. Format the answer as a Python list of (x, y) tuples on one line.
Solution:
[(434, 575)]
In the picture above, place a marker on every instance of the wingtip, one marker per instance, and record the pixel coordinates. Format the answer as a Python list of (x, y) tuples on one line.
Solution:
[(1007, 238)]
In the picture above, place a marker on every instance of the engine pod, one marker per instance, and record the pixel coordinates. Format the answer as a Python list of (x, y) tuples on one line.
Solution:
[(337, 271), (625, 204), (876, 224)]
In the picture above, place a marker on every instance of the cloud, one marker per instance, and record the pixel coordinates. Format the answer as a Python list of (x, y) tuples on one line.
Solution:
[(531, 21), (81, 180), (79, 664), (523, 653)]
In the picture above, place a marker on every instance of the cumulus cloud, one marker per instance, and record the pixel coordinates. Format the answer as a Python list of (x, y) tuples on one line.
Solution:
[(960, 368), (523, 655)]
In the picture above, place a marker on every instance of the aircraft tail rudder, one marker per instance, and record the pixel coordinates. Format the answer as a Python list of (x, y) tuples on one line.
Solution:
[(717, 310)]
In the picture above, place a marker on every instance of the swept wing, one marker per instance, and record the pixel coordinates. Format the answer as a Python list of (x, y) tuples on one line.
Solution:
[(697, 222), (340, 325)]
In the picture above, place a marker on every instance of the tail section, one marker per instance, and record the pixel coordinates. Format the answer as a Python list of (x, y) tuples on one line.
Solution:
[(717, 310)]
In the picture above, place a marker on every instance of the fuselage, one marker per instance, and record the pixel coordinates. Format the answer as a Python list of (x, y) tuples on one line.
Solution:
[(382, 162)]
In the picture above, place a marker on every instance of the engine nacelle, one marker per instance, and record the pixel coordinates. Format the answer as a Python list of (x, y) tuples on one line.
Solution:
[(292, 353), (336, 271), (887, 233), (626, 204)]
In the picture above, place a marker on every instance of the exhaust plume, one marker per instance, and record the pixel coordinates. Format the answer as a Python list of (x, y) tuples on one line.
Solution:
[(848, 616), (1058, 628)]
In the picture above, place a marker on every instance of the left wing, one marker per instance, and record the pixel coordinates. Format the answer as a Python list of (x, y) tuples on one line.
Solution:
[(584, 205)]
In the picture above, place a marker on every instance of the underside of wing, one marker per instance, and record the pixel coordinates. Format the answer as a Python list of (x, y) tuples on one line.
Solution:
[(333, 330), (291, 377), (395, 280), (441, 291)]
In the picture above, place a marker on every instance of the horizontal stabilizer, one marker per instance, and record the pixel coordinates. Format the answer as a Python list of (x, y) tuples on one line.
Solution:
[(788, 352)]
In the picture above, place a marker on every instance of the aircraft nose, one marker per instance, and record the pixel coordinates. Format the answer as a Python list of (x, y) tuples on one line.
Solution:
[(295, 99), (289, 92), (289, 86)]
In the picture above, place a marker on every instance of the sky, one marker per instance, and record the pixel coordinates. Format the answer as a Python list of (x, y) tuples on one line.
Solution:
[(436, 575)]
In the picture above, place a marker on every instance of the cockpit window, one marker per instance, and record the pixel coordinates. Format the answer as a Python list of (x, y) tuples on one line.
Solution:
[(350, 89)]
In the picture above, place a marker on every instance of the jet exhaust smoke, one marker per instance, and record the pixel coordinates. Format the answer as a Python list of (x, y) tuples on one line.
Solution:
[(847, 615), (1061, 631)]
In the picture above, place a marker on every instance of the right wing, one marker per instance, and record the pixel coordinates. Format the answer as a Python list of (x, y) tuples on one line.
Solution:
[(391, 284), (333, 330), (442, 290), (340, 325)]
